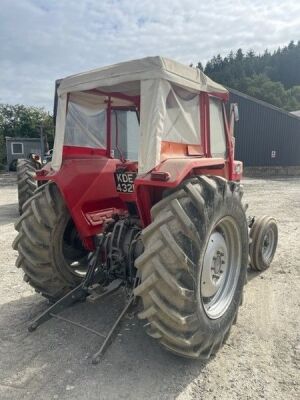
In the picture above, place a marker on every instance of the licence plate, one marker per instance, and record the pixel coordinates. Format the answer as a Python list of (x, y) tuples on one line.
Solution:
[(124, 181)]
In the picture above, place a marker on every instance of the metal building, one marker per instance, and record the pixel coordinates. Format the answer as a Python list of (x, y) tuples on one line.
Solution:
[(20, 147), (266, 136)]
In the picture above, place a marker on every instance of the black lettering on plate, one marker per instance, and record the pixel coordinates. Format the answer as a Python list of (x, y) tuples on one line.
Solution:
[(124, 181)]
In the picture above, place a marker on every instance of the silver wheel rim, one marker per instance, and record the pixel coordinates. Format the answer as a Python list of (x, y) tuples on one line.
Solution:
[(268, 245), (221, 268)]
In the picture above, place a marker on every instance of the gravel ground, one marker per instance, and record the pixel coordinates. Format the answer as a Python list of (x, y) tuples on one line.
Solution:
[(261, 359)]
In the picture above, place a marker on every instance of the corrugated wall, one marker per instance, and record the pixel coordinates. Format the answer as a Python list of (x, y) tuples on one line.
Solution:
[(263, 129)]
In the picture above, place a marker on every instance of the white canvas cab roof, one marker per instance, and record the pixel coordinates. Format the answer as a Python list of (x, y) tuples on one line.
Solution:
[(156, 80)]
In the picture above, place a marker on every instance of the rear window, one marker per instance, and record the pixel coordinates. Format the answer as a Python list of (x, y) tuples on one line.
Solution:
[(217, 128), (85, 124), (125, 134), (182, 117)]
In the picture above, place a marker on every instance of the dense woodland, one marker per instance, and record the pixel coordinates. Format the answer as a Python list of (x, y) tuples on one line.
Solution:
[(272, 77)]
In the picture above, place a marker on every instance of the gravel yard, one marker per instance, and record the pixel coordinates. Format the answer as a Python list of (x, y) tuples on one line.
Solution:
[(261, 359)]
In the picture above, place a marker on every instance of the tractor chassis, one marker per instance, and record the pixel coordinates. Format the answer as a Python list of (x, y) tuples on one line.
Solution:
[(88, 289)]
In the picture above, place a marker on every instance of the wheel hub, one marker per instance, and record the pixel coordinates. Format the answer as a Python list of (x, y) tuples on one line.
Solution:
[(268, 245), (215, 265), (221, 266)]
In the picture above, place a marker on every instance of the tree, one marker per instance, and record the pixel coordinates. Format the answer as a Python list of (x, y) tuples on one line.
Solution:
[(239, 55), (21, 121), (200, 66), (273, 77), (2, 152)]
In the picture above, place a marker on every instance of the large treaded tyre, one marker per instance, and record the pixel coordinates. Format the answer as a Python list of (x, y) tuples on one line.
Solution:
[(181, 314), (42, 243), (27, 184)]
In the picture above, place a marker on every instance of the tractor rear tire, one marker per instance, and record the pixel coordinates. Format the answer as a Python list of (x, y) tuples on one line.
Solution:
[(194, 266), (45, 254), (27, 184)]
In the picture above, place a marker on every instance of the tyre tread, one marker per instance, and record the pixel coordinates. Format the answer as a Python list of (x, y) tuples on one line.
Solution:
[(33, 242), (169, 301), (26, 182)]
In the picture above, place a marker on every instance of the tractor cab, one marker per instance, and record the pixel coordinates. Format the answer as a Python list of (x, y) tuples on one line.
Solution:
[(144, 110), (136, 128)]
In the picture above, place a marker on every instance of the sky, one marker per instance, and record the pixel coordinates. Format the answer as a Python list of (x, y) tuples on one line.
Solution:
[(43, 40)]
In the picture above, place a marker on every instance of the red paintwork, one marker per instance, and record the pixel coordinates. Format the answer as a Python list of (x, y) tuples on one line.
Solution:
[(75, 151), (178, 170), (203, 121), (86, 177), (108, 128), (88, 186)]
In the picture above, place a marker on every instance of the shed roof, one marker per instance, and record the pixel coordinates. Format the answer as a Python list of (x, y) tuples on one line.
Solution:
[(297, 113), (22, 139), (293, 114)]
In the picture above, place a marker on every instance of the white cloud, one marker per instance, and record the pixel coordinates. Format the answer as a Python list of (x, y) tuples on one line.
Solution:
[(42, 41)]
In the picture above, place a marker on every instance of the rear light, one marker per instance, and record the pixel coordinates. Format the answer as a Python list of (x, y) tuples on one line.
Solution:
[(238, 168), (160, 176), (36, 157)]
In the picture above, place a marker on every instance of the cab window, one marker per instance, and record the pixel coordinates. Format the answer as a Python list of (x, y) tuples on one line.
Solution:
[(217, 128)]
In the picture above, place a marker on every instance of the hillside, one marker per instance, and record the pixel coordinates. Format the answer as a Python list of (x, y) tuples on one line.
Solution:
[(272, 77)]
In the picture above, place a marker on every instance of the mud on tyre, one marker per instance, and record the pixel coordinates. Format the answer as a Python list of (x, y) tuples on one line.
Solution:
[(50, 251), (194, 266)]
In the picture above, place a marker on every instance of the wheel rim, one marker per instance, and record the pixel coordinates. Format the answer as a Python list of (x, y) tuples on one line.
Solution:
[(75, 255), (221, 268), (268, 245)]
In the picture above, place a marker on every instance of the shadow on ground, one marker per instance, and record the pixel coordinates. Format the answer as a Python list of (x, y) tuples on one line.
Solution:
[(253, 274), (8, 213), (55, 360)]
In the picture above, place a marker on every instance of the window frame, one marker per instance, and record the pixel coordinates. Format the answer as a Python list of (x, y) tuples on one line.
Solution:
[(225, 128), (12, 148), (126, 109)]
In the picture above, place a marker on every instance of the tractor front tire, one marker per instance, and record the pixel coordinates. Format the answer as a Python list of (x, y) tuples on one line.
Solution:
[(27, 184), (194, 266), (263, 243), (42, 243)]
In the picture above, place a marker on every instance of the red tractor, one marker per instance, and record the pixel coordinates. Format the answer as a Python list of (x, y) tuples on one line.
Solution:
[(143, 182)]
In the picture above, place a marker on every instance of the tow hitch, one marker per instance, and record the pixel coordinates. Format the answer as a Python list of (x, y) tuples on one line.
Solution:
[(89, 289)]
